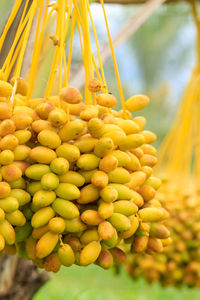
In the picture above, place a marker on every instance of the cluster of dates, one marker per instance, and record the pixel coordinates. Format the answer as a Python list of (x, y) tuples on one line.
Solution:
[(76, 179), (180, 262)]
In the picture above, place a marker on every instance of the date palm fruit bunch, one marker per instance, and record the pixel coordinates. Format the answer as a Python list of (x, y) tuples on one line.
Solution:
[(76, 189), (180, 194), (76, 176), (180, 262)]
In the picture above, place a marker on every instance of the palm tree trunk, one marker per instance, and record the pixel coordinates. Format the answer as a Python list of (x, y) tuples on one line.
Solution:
[(19, 278)]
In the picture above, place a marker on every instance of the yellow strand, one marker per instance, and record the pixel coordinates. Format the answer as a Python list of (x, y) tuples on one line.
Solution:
[(56, 58), (24, 12), (80, 26), (61, 39), (28, 28), (60, 240), (180, 128), (65, 66), (17, 37), (37, 49), (79, 18), (85, 54), (12, 98), (10, 21), (98, 52), (70, 47), (52, 74), (96, 69), (66, 27), (87, 51), (55, 62), (176, 154), (14, 58), (79, 33), (114, 58), (80, 39), (39, 21)]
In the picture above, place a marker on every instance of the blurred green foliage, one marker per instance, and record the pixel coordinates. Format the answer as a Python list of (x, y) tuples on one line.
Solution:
[(6, 6), (155, 40), (93, 283)]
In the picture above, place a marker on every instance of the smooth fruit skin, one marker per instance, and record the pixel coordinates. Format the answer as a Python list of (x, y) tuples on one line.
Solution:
[(73, 178), (95, 127), (70, 152), (71, 131), (49, 139), (90, 253), (86, 144), (88, 162), (88, 194), (56, 225), (134, 226), (9, 204), (46, 244), (65, 208), (105, 259), (59, 165), (16, 218), (4, 190), (125, 207), (100, 179), (11, 173), (122, 157), (66, 255), (6, 157), (109, 194), (136, 102), (70, 95), (37, 233), (37, 171), (120, 222), (42, 155), (88, 236), (108, 163), (105, 230), (151, 214), (2, 215), (140, 243), (2, 242), (5, 109), (67, 191), (75, 225), (91, 217), (7, 232), (42, 217), (43, 198), (107, 100), (119, 175), (49, 181), (22, 196)]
